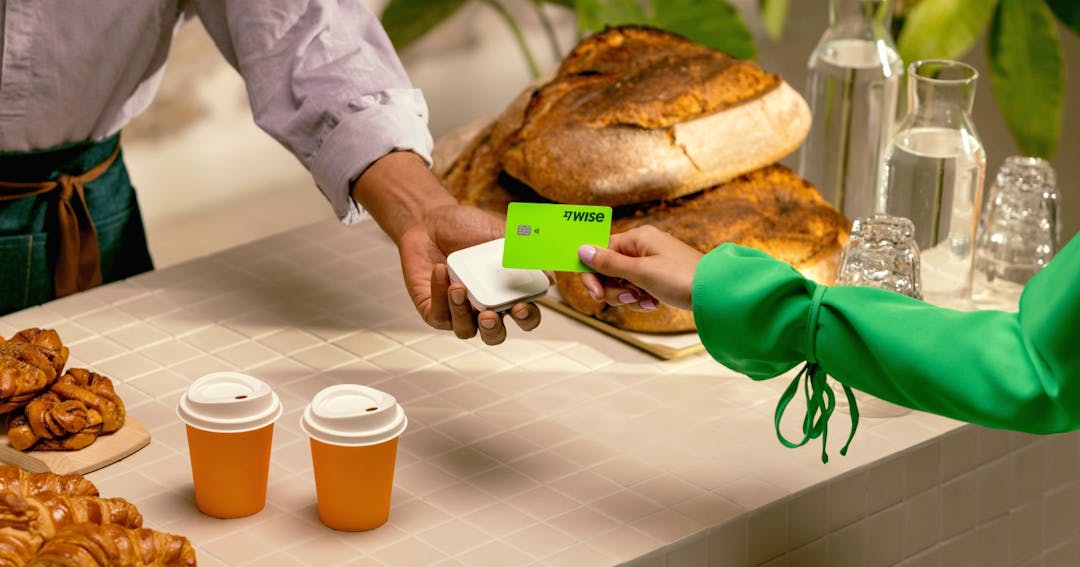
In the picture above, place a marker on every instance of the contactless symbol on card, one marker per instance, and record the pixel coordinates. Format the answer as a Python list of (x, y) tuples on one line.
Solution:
[(546, 236)]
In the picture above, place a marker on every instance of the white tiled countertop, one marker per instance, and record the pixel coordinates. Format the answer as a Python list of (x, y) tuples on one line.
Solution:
[(559, 447)]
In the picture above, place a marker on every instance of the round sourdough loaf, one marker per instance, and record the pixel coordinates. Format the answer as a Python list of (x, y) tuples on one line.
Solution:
[(771, 209), (643, 120), (636, 114)]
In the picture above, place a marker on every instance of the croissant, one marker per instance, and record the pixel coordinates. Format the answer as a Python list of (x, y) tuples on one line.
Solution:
[(87, 545), (95, 392), (15, 479), (47, 513), (17, 547), (57, 511), (15, 511)]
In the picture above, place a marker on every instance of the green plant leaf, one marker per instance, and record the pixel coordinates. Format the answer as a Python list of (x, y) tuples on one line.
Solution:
[(943, 29), (714, 23), (594, 15), (1068, 11), (773, 15), (406, 21), (1027, 74)]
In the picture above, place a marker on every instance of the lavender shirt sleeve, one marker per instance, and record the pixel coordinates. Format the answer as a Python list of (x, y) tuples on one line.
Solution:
[(324, 80)]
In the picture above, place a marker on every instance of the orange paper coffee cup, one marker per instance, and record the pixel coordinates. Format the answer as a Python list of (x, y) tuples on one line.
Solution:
[(230, 470), (230, 428), (353, 484), (354, 434)]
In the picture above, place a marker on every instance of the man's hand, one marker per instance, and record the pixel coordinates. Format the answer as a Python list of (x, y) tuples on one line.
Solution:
[(444, 305), (427, 224)]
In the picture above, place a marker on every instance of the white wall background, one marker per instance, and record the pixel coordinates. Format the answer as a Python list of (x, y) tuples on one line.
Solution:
[(221, 181)]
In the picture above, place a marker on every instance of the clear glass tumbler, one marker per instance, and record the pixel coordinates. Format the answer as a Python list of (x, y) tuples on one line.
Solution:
[(881, 253), (1019, 229)]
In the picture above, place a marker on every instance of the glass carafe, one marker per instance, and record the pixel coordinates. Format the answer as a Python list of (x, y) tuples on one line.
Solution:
[(853, 79), (932, 172)]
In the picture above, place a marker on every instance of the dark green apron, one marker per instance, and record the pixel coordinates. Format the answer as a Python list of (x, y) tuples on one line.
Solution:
[(41, 193)]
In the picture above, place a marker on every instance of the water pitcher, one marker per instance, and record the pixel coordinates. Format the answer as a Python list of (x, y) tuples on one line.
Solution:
[(932, 172), (853, 79)]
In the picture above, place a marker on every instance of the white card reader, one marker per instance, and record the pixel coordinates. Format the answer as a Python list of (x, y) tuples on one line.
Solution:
[(492, 287)]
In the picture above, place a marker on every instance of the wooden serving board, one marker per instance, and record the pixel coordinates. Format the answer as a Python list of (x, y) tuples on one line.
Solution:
[(104, 451), (666, 347)]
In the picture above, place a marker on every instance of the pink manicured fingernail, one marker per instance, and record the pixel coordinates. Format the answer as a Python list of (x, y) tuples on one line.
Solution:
[(627, 297), (597, 296), (458, 296), (647, 304), (520, 312), (487, 323), (586, 253)]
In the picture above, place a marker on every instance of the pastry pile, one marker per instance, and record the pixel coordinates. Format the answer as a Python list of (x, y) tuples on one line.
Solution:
[(60, 520), (46, 408)]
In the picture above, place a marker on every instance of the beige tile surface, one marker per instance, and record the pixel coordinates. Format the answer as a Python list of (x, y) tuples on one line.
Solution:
[(560, 447)]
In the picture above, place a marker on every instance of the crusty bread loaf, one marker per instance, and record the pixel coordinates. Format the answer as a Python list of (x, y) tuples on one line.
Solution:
[(668, 132), (637, 114), (770, 209)]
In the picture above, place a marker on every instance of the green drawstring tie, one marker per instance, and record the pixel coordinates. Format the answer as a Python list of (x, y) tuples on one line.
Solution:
[(820, 400)]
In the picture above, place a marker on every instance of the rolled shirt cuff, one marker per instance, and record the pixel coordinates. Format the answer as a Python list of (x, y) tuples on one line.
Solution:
[(751, 310), (377, 124)]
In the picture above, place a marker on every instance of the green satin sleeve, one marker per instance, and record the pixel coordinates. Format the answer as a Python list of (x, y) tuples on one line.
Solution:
[(1018, 371)]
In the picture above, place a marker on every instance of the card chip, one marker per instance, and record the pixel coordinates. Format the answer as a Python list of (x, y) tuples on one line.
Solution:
[(524, 230)]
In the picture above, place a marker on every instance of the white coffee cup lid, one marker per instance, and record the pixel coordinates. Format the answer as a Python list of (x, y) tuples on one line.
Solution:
[(353, 415), (229, 402)]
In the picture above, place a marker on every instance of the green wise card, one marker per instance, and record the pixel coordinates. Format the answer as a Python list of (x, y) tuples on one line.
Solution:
[(546, 236)]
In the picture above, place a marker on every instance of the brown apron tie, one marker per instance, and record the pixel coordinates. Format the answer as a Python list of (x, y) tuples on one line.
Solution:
[(78, 263)]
